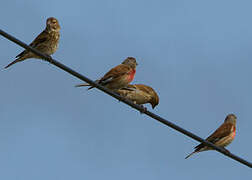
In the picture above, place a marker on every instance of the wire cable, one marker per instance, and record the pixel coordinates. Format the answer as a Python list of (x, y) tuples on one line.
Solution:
[(126, 101)]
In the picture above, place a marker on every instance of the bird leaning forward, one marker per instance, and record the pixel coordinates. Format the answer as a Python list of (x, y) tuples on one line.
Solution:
[(140, 94)]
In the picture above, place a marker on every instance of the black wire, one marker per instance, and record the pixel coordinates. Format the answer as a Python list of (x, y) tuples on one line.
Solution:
[(130, 103)]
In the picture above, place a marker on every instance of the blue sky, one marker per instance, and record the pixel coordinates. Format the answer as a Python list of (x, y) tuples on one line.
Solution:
[(196, 54)]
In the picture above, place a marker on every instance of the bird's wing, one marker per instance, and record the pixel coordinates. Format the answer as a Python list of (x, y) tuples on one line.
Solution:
[(148, 90), (42, 37), (224, 130), (114, 73), (144, 88), (130, 87)]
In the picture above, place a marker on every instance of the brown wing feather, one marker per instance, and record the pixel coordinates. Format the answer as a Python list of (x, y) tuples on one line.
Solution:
[(116, 72), (42, 37), (144, 88), (224, 130), (129, 87)]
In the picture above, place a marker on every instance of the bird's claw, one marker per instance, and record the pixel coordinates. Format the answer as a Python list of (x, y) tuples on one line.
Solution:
[(119, 100), (227, 151), (143, 110), (49, 58)]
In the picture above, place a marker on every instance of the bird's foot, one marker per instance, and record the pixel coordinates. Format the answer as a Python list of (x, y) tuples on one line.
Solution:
[(227, 151), (119, 100), (143, 110), (49, 58)]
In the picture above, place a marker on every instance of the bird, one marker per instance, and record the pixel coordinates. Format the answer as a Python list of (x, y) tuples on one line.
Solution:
[(222, 137), (119, 76), (46, 42), (140, 94)]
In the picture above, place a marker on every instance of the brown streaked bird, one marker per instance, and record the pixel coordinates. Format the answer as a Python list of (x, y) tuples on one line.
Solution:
[(46, 42), (222, 137), (140, 94), (119, 76)]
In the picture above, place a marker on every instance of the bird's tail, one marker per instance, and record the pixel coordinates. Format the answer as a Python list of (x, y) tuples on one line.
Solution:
[(86, 84), (81, 85), (13, 62), (190, 154)]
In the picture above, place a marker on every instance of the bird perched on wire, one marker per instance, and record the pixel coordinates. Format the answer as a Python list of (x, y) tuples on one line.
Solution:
[(46, 42), (222, 137), (140, 94), (119, 76)]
